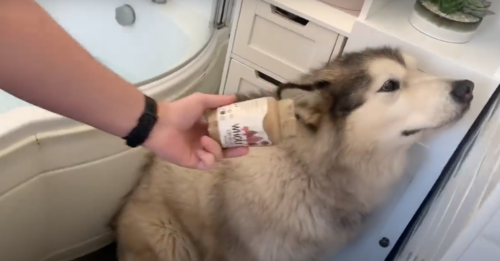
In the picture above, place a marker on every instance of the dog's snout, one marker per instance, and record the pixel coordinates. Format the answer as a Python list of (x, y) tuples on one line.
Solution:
[(461, 91)]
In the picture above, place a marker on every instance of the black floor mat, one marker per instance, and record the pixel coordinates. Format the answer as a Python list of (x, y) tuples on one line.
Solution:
[(107, 253)]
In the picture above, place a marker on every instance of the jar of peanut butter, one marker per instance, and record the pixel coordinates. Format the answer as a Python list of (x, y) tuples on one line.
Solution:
[(258, 122)]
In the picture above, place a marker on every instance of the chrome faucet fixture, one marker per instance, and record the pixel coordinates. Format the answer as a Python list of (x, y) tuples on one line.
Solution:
[(125, 15)]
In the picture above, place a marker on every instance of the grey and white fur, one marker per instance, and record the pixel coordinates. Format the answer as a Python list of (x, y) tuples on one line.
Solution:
[(308, 196)]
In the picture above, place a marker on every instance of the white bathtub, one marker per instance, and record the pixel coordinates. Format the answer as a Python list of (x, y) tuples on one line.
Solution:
[(60, 181)]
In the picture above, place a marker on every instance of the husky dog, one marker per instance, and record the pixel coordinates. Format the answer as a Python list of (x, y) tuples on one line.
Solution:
[(309, 195)]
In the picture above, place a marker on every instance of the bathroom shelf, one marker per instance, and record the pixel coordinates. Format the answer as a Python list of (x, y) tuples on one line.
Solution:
[(320, 13), (480, 54)]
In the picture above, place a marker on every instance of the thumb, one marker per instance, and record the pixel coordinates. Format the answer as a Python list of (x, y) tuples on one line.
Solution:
[(212, 101)]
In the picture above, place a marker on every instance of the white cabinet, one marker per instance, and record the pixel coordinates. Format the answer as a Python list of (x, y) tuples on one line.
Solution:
[(271, 41), (243, 78), (281, 41)]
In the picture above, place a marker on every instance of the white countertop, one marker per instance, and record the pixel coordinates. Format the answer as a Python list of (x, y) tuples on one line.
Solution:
[(481, 54)]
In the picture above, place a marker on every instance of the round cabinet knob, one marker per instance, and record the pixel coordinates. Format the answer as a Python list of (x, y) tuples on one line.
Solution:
[(384, 242)]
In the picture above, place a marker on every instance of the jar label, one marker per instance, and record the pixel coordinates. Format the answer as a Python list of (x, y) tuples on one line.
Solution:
[(242, 124)]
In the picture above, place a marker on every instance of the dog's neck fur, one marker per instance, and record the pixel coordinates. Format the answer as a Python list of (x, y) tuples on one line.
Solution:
[(329, 165), (338, 151), (334, 162)]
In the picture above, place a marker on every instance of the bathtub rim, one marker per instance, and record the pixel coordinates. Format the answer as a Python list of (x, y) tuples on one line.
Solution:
[(23, 122), (178, 67), (213, 30)]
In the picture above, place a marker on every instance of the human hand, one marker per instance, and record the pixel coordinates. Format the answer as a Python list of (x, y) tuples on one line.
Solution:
[(181, 137)]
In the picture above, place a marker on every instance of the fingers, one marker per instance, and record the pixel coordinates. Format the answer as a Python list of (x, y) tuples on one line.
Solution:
[(207, 160), (212, 101), (212, 146), (211, 152), (235, 152)]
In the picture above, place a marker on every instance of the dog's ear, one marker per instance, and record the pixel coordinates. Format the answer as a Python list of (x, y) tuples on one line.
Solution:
[(410, 61), (308, 100)]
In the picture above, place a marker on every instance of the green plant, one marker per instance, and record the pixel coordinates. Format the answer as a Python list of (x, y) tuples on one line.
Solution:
[(449, 6), (477, 8)]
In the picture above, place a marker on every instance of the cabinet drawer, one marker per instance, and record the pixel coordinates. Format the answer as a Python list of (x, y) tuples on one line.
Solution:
[(243, 78), (284, 43)]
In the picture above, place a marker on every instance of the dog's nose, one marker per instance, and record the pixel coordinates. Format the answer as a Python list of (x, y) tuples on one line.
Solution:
[(461, 91)]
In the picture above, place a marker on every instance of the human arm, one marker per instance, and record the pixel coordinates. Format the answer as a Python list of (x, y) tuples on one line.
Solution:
[(40, 63)]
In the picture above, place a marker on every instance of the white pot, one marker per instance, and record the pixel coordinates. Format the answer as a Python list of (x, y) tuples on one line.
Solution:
[(353, 5), (441, 28)]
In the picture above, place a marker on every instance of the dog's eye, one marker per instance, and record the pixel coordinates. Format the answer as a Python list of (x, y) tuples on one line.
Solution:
[(390, 86)]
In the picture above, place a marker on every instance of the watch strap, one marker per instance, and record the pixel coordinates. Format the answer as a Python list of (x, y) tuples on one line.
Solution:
[(145, 124)]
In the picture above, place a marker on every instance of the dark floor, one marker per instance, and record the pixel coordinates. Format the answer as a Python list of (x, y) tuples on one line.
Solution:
[(107, 253)]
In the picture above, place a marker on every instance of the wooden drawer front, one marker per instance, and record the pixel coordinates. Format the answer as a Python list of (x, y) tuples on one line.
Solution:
[(280, 41), (243, 78)]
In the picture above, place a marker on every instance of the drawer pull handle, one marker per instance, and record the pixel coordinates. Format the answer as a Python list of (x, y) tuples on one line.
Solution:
[(268, 78), (284, 13)]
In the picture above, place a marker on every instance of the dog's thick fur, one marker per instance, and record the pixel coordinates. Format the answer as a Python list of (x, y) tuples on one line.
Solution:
[(307, 196)]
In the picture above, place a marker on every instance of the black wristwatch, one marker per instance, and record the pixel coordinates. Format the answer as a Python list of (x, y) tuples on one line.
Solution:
[(145, 124)]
